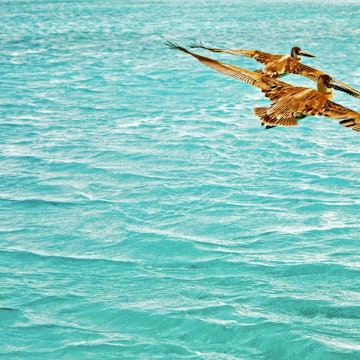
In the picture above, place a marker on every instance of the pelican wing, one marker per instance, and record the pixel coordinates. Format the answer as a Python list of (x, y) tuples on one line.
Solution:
[(251, 77), (237, 52), (260, 56), (266, 58), (308, 71), (347, 117)]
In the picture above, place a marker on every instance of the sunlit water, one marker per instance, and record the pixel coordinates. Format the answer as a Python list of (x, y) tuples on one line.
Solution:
[(145, 213)]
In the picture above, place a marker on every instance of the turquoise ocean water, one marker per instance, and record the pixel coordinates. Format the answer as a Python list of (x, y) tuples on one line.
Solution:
[(145, 213)]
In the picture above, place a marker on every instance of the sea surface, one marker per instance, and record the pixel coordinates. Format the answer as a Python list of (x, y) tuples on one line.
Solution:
[(145, 213)]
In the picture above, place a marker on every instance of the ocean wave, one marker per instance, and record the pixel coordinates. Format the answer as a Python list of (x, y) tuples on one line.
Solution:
[(64, 257)]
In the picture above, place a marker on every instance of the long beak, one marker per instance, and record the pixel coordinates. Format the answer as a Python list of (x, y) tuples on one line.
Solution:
[(305, 53), (339, 85)]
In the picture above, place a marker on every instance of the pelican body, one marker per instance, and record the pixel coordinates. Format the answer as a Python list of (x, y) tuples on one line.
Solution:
[(289, 103), (277, 65)]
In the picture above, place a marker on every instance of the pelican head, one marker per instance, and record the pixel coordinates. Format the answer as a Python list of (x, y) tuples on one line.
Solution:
[(326, 84), (297, 53)]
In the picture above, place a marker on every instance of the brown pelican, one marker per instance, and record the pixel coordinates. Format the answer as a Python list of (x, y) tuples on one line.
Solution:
[(290, 103), (277, 65)]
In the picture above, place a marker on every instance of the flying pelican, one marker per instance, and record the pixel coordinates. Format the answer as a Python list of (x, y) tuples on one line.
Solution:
[(290, 103), (277, 65)]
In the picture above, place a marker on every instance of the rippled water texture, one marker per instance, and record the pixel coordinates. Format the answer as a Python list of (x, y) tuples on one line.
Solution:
[(145, 213)]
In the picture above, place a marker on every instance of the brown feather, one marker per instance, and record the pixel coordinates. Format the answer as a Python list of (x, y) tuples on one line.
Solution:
[(308, 71)]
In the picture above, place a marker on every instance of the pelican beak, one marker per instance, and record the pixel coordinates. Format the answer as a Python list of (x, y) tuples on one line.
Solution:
[(338, 85), (305, 53)]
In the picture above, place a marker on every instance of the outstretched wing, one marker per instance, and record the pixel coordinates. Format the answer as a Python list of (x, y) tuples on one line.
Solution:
[(271, 87), (308, 71), (237, 52), (260, 56), (347, 117)]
